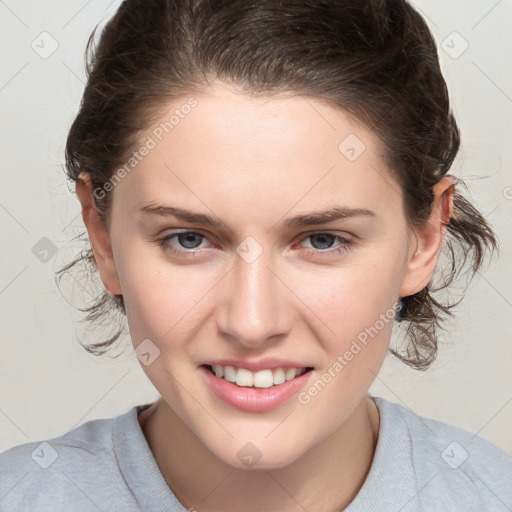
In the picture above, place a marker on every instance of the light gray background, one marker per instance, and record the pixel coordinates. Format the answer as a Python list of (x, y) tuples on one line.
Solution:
[(49, 384)]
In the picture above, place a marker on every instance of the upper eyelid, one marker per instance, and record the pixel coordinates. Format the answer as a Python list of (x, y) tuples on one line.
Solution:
[(344, 238)]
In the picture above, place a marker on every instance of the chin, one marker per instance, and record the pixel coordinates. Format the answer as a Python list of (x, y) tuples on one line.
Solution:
[(253, 457)]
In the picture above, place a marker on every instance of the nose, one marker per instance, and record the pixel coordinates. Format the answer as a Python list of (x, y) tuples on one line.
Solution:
[(254, 311)]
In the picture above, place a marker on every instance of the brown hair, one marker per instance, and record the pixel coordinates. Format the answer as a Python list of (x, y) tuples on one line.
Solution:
[(376, 59)]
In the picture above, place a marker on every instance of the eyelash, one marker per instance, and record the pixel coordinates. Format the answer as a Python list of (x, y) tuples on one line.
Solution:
[(343, 247)]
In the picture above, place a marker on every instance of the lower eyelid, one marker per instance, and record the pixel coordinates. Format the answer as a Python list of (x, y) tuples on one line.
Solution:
[(166, 239), (343, 242)]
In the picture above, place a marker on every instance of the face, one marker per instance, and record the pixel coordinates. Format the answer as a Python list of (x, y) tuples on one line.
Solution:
[(257, 290)]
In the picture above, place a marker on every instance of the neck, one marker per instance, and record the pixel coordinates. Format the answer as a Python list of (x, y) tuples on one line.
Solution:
[(325, 478)]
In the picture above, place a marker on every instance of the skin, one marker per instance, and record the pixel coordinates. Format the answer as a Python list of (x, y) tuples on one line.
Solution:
[(253, 163)]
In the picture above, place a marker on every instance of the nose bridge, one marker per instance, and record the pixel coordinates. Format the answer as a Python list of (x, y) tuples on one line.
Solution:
[(253, 311)]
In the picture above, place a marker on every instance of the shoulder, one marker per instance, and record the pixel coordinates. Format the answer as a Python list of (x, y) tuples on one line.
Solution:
[(452, 463), (84, 443), (57, 473)]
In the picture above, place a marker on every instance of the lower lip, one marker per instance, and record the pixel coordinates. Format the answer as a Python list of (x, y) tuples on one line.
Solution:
[(254, 399)]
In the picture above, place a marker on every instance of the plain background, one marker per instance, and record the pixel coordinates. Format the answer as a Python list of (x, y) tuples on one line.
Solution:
[(49, 384)]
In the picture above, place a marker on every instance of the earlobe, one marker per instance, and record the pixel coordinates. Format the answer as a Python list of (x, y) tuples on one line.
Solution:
[(100, 241), (428, 240)]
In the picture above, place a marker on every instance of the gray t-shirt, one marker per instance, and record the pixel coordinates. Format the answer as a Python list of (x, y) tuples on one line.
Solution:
[(106, 465)]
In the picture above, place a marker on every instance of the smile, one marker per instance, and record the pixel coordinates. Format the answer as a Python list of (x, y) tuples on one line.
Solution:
[(260, 379), (256, 392)]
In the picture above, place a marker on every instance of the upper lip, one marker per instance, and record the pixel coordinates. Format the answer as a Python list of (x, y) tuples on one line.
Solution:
[(254, 366)]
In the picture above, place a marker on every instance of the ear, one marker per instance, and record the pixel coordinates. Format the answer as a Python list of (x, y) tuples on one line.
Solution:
[(426, 241), (100, 241)]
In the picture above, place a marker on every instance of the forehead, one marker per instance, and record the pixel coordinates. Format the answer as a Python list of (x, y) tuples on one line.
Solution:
[(245, 153)]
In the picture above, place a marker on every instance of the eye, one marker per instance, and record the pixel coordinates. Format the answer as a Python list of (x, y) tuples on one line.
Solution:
[(324, 239), (188, 241)]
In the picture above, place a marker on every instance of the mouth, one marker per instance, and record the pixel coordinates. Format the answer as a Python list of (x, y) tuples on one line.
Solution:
[(262, 379)]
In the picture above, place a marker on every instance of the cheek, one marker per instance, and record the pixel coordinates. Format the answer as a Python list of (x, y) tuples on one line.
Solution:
[(161, 298), (359, 311), (167, 301), (350, 299), (357, 305)]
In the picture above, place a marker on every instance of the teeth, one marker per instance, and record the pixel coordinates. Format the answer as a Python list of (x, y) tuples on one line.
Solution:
[(229, 374), (279, 376), (290, 373), (262, 379), (244, 378)]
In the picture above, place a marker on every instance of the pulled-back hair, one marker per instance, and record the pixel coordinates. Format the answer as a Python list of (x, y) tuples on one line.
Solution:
[(375, 59)]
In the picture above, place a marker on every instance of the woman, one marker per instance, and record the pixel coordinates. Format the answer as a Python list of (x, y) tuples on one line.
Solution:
[(265, 190)]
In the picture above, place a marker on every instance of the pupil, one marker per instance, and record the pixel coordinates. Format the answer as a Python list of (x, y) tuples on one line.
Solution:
[(189, 238), (324, 236)]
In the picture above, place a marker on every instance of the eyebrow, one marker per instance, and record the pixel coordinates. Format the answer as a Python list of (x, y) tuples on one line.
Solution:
[(309, 219)]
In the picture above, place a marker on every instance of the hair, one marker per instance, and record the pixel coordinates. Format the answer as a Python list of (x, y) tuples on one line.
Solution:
[(375, 59)]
